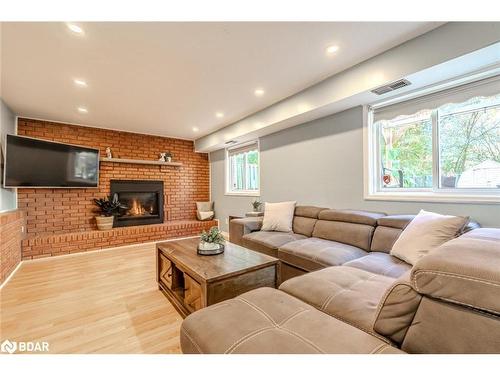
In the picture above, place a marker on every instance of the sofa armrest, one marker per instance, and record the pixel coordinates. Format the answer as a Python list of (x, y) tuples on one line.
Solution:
[(463, 271), (397, 309), (239, 227)]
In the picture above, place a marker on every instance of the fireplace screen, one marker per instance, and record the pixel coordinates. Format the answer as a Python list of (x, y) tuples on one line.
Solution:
[(143, 202), (138, 204)]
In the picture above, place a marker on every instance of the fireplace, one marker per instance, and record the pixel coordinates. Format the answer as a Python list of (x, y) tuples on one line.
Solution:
[(143, 201)]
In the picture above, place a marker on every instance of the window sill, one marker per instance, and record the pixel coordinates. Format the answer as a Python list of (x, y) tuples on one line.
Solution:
[(432, 197), (243, 193)]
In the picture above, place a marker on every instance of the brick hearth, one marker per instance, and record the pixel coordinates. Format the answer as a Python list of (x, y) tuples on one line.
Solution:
[(68, 243)]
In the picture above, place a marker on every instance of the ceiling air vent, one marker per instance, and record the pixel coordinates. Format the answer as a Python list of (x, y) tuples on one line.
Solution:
[(391, 86)]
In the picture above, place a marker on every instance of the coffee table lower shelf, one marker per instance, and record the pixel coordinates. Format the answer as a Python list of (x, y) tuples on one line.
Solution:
[(191, 282)]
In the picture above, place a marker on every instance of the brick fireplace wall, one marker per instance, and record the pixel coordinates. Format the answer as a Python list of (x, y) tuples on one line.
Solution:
[(53, 213), (11, 235)]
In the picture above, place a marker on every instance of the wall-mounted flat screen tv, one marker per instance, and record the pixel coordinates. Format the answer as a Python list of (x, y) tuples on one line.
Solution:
[(33, 162)]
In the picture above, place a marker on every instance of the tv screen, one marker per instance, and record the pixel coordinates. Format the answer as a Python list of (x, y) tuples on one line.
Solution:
[(38, 163)]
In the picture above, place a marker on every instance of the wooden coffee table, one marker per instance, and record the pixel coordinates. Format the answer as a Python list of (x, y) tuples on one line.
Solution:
[(191, 281)]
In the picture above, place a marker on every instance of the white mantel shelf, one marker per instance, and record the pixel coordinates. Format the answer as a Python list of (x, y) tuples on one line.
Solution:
[(135, 161)]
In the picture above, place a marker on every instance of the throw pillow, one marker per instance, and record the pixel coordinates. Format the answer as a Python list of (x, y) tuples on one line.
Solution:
[(426, 232), (278, 216)]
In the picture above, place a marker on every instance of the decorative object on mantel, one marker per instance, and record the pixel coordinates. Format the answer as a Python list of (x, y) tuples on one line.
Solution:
[(205, 211), (107, 207), (137, 161), (211, 242), (109, 155), (165, 157)]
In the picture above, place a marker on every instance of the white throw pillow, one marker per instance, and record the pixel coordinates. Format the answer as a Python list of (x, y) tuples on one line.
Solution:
[(278, 216), (426, 232)]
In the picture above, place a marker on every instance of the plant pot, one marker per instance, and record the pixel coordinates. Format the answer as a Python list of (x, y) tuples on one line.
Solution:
[(208, 248), (104, 222)]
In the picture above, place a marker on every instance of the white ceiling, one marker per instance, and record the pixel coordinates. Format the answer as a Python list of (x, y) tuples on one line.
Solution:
[(166, 78)]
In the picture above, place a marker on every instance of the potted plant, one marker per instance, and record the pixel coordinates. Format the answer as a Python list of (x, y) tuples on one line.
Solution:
[(256, 204), (107, 207), (168, 156), (211, 242)]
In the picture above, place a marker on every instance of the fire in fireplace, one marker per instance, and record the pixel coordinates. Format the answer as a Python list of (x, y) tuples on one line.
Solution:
[(143, 201)]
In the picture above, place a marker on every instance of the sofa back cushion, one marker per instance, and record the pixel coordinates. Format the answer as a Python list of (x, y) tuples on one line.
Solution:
[(390, 227), (388, 230), (305, 218), (347, 226)]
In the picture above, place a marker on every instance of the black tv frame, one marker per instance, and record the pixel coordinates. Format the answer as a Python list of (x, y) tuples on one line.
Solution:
[(48, 187)]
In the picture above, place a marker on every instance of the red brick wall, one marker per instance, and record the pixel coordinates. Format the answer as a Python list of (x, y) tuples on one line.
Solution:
[(11, 234), (57, 211), (61, 221)]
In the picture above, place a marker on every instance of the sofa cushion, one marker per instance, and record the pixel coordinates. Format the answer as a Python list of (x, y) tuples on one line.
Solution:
[(314, 253), (381, 264), (303, 225), (305, 218), (358, 235), (269, 242), (383, 238), (351, 216), (349, 294), (278, 216), (395, 221), (308, 211), (347, 226), (389, 228), (426, 232), (267, 320), (464, 271)]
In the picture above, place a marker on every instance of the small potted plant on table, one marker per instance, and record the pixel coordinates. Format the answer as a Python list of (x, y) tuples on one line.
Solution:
[(211, 242), (256, 205), (107, 207)]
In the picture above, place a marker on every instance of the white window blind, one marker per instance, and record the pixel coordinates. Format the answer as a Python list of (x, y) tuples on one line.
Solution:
[(486, 87)]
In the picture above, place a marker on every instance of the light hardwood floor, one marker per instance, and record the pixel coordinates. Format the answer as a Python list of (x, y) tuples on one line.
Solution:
[(98, 302)]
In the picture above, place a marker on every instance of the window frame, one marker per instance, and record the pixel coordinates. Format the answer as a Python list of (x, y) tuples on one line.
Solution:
[(228, 190), (373, 189)]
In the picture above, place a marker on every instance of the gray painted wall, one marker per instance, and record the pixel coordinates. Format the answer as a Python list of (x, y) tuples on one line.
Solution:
[(8, 200), (321, 163)]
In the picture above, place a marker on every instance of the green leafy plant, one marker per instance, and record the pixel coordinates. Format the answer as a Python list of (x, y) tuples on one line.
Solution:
[(108, 206), (256, 204), (214, 235)]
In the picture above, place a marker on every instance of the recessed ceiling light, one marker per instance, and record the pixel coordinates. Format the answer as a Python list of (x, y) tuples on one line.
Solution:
[(75, 28), (82, 110), (195, 129), (259, 92), (332, 49), (219, 114), (80, 82)]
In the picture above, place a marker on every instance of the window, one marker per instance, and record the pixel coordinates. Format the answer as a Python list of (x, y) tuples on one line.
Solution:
[(442, 146), (243, 170)]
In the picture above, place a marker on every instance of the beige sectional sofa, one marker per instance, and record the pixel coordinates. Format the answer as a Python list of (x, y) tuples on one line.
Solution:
[(358, 298), (324, 237)]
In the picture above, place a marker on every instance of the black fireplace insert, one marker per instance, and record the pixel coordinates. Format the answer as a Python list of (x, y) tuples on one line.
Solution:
[(143, 201)]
